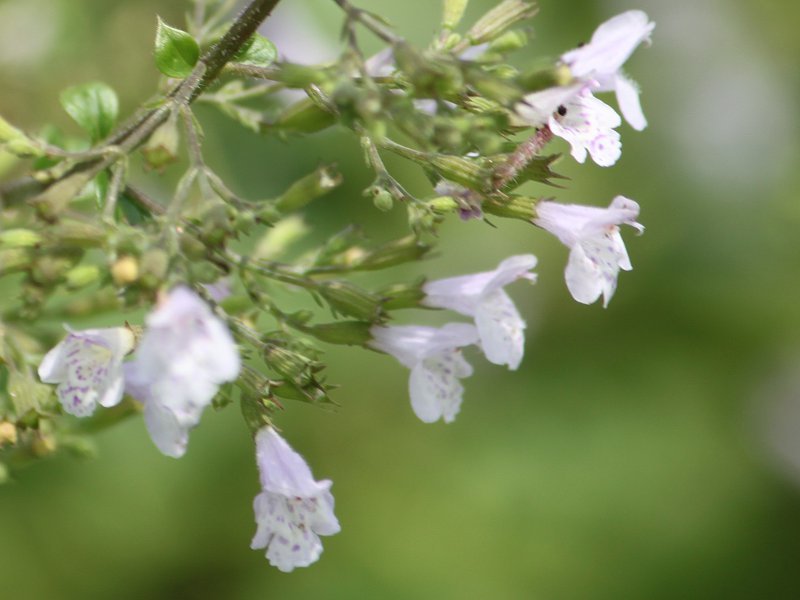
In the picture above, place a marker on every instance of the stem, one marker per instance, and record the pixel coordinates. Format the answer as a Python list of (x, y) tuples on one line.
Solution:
[(368, 21), (519, 159)]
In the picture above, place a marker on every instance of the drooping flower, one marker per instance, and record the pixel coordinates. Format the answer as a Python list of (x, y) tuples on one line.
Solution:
[(87, 365), (481, 295), (434, 357), (600, 61), (184, 356), (597, 251), (292, 510), (588, 125)]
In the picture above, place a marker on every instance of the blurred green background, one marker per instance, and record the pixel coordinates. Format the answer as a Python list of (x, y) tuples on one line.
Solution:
[(650, 450)]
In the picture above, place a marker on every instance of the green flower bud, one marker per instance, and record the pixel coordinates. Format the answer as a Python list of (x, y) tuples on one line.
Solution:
[(517, 207), (541, 79), (397, 252), (453, 12), (443, 205), (162, 147), (348, 299), (17, 142), (300, 76), (51, 269), (308, 188), (403, 295), (5, 474), (277, 239), (153, 267), (509, 41), (8, 434), (19, 238), (78, 446), (468, 172), (305, 116), (78, 234), (81, 276), (500, 18), (291, 364), (381, 198), (349, 333), (192, 248), (14, 260)]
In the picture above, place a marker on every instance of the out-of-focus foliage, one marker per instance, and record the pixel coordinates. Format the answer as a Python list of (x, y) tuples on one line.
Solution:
[(643, 451)]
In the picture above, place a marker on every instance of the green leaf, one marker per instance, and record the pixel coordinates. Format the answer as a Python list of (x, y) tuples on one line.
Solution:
[(176, 51), (93, 106), (258, 51)]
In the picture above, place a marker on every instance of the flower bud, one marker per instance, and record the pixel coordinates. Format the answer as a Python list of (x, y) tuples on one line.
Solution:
[(299, 76), (381, 198), (453, 12), (403, 295), (162, 147), (541, 79), (14, 260), (5, 474), (44, 444), (50, 269), (81, 276), (125, 270), (513, 208), (78, 234), (467, 172), (79, 446), (397, 252), (349, 333), (19, 238), (16, 142), (349, 299), (153, 267), (291, 364), (277, 239), (509, 41), (308, 188), (8, 434), (498, 19), (305, 116)]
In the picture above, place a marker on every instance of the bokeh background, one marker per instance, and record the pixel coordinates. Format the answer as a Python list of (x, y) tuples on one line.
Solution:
[(650, 450)]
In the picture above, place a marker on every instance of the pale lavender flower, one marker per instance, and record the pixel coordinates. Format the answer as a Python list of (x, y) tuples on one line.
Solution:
[(292, 510), (434, 357), (87, 365), (600, 61), (588, 125), (597, 251), (481, 296), (184, 356)]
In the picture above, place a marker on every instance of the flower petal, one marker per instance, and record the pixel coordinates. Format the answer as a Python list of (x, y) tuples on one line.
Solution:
[(501, 329), (434, 386), (611, 45), (282, 469), (167, 432), (629, 103)]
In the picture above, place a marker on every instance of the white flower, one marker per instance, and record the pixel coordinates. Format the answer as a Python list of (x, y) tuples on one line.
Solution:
[(597, 251), (481, 296), (185, 354), (292, 510), (87, 365), (434, 357), (588, 125), (600, 61), (537, 108)]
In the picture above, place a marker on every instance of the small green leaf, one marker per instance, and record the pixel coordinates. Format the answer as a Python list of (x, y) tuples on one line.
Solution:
[(176, 51), (258, 51), (93, 106)]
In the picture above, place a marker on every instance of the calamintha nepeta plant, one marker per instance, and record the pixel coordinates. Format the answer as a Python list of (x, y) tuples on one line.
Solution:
[(79, 238)]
